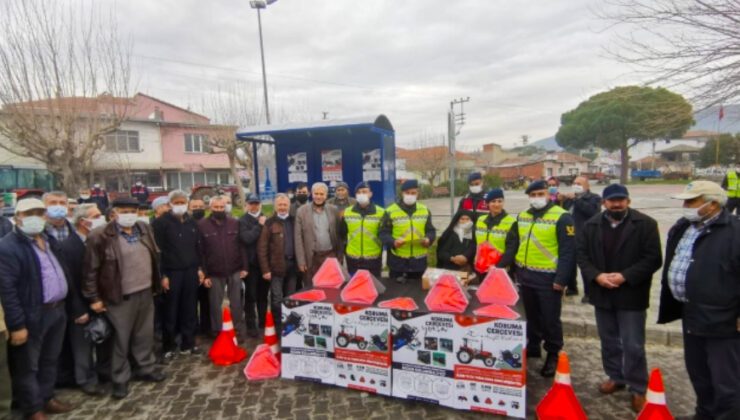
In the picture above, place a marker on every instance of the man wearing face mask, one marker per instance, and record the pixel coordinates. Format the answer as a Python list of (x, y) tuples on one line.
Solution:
[(224, 263), (140, 192), (122, 273), (475, 200), (6, 226), (731, 184), (161, 206), (99, 196), (341, 198), (700, 286), (301, 198), (359, 228), (619, 251), (197, 208), (582, 204), (499, 229), (176, 234), (56, 213), (316, 237), (197, 211), (255, 302), (407, 231), (276, 253), (34, 283), (544, 261), (84, 196)]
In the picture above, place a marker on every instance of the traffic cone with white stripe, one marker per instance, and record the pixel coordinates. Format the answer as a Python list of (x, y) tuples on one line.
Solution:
[(270, 336), (225, 350), (655, 407), (560, 402)]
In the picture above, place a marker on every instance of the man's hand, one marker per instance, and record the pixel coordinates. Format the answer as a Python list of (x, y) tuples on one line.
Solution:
[(398, 243), (207, 283), (166, 284), (262, 220), (267, 276), (98, 307), (604, 280), (84, 319), (201, 276), (303, 268), (558, 287), (18, 338), (426, 242), (243, 274), (617, 279)]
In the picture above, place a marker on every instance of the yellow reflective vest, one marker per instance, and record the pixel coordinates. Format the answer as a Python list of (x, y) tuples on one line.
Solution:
[(362, 233), (412, 229), (732, 185), (496, 235), (538, 240)]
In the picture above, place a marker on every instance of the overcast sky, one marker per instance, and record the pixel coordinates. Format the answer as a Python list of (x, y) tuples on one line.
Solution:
[(523, 63)]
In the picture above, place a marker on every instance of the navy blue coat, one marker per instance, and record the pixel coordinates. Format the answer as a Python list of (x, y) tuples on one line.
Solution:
[(21, 290)]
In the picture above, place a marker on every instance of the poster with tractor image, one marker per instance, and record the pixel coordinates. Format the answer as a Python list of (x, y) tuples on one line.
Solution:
[(489, 368), (362, 350), (307, 342)]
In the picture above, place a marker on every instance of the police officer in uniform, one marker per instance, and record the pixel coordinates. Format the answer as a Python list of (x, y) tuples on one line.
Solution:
[(544, 261), (359, 228), (407, 231), (498, 228), (475, 200), (732, 186)]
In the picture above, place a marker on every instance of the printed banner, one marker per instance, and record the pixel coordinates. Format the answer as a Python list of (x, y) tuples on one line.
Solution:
[(371, 165), (331, 165), (297, 167)]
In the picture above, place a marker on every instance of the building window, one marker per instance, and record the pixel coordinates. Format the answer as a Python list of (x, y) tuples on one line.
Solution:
[(126, 141), (196, 143)]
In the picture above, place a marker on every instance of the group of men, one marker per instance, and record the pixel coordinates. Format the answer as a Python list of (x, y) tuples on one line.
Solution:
[(58, 275)]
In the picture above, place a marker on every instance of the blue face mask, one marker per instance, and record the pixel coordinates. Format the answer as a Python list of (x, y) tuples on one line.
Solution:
[(56, 212), (552, 190)]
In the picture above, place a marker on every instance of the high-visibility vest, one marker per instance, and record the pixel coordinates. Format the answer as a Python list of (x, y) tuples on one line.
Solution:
[(362, 236), (412, 229), (733, 190), (538, 240), (496, 235)]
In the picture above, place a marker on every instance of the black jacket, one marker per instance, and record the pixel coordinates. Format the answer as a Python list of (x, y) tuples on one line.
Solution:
[(712, 280), (177, 241), (637, 256), (6, 226), (450, 245), (249, 233), (73, 252), (583, 207)]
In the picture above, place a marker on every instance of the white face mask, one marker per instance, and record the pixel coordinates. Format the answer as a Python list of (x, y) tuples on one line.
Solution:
[(577, 189), (409, 199), (96, 223), (465, 226), (257, 213), (127, 219), (179, 209), (290, 196), (538, 202), (283, 216), (143, 219), (32, 225), (228, 209), (363, 199), (84, 196), (476, 189), (692, 215)]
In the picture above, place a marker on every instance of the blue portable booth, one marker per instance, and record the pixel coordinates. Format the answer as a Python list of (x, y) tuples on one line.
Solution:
[(351, 150)]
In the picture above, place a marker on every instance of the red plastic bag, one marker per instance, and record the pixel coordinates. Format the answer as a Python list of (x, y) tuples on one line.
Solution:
[(313, 295), (497, 288), (487, 256), (262, 365), (363, 288), (403, 303), (330, 274), (447, 296), (497, 311)]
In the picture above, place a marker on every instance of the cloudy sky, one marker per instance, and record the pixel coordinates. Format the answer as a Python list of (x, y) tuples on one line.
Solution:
[(523, 63)]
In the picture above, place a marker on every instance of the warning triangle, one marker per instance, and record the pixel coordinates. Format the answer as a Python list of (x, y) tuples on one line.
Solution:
[(262, 365), (497, 311), (497, 288), (330, 274), (313, 295), (363, 288), (446, 296), (402, 303)]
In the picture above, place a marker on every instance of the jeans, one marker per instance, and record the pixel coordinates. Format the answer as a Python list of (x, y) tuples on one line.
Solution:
[(280, 287), (622, 335), (180, 309)]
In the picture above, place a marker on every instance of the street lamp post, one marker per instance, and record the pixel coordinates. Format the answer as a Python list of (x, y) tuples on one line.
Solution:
[(259, 5)]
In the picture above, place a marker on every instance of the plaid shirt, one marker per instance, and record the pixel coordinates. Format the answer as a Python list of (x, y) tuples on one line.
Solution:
[(683, 259), (133, 238), (59, 233)]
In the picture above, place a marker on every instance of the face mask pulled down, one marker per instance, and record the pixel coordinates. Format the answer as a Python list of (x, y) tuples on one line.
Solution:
[(692, 214)]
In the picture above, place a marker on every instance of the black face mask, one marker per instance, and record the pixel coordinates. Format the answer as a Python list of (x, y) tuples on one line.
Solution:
[(301, 198), (616, 214), (218, 215), (199, 214)]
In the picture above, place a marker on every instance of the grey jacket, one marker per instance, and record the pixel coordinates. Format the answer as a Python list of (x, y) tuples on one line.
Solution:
[(305, 239)]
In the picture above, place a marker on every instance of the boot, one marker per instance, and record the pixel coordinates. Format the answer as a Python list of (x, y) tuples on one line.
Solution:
[(551, 364)]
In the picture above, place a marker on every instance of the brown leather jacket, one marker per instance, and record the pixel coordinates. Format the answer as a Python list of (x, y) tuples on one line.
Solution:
[(270, 246), (102, 275)]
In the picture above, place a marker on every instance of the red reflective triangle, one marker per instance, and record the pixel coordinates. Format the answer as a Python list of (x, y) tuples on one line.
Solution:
[(497, 288), (403, 303), (360, 289), (446, 296), (262, 365), (313, 295), (329, 275), (497, 311)]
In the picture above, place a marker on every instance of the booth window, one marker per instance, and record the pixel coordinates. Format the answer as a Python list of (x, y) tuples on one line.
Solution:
[(196, 143)]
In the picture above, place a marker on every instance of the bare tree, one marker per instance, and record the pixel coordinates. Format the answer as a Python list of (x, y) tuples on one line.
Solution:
[(428, 157), (693, 45), (64, 80)]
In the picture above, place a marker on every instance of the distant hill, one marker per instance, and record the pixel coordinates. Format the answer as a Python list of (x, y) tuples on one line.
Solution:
[(548, 144)]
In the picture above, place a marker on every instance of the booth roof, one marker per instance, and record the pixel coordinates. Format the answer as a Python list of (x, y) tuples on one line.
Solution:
[(380, 121)]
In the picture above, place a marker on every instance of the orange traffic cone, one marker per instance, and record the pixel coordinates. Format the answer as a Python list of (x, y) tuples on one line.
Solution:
[(270, 337), (655, 408), (560, 402), (224, 350)]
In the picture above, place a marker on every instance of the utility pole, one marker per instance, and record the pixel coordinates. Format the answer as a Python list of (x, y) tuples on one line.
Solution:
[(455, 121), (326, 113)]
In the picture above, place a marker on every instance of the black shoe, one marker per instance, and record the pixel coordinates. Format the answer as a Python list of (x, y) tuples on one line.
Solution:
[(584, 299), (155, 376), (92, 389), (571, 292), (551, 364), (120, 391)]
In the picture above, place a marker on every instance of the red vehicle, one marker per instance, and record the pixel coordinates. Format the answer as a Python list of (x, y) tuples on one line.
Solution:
[(467, 354), (344, 339)]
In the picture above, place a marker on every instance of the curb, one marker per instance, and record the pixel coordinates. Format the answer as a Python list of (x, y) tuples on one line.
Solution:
[(660, 335)]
